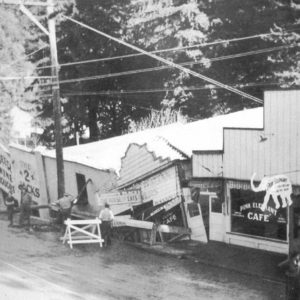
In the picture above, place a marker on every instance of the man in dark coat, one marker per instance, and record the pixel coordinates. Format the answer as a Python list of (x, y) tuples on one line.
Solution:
[(25, 209), (10, 204), (65, 205), (291, 267)]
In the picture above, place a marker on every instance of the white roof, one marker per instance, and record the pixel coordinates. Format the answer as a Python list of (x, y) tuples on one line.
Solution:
[(205, 134)]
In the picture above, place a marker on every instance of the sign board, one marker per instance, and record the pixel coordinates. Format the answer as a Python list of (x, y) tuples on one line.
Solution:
[(26, 176), (160, 187), (252, 212), (6, 178), (163, 208), (130, 198), (275, 186)]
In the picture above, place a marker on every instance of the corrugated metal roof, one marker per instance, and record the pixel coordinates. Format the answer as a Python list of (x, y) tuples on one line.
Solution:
[(175, 141)]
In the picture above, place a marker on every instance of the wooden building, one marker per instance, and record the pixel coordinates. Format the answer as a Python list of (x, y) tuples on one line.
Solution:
[(150, 173), (221, 177)]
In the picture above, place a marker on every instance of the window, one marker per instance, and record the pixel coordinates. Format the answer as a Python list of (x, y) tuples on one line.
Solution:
[(81, 187), (216, 205), (193, 209), (248, 218)]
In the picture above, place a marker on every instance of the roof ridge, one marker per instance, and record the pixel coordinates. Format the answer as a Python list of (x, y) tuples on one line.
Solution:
[(173, 147)]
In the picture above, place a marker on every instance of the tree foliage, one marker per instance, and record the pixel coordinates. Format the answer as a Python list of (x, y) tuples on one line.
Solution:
[(15, 39), (187, 23), (250, 45)]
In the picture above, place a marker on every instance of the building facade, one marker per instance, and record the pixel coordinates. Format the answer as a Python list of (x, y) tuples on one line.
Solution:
[(221, 179)]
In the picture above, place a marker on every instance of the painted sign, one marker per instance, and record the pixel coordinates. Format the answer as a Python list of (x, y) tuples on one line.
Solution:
[(125, 197), (252, 212), (26, 178), (160, 187), (6, 179), (274, 186), (173, 217)]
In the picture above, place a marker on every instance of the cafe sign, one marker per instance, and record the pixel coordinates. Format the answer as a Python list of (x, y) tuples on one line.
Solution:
[(252, 212)]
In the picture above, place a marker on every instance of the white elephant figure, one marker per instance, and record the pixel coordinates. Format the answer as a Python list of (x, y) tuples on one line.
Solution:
[(278, 185)]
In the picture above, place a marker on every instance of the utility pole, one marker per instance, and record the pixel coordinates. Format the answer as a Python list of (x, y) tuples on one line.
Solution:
[(51, 32), (56, 101)]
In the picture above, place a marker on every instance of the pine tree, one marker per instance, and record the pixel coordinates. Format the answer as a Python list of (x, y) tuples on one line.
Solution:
[(15, 66)]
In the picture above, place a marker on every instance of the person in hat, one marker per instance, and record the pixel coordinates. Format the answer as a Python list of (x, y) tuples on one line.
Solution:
[(65, 205), (106, 216), (25, 209), (10, 204)]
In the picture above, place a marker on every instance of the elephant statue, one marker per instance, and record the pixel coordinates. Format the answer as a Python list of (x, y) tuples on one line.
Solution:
[(278, 185)]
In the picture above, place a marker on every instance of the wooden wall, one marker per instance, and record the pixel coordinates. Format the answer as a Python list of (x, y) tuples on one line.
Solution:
[(274, 149), (102, 181), (137, 162)]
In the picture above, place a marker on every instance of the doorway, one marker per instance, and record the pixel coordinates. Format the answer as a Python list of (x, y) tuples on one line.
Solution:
[(81, 188)]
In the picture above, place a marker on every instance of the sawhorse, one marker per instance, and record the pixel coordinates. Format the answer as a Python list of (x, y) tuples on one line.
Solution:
[(92, 236)]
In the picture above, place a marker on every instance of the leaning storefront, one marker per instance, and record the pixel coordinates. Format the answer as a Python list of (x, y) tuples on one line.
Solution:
[(259, 210)]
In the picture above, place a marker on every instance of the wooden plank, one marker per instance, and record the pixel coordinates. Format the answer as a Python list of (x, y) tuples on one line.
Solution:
[(86, 241), (120, 222), (72, 231), (173, 229), (177, 237), (83, 222), (153, 235)]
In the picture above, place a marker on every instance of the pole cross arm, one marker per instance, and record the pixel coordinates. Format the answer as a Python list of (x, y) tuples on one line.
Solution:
[(24, 2), (33, 19)]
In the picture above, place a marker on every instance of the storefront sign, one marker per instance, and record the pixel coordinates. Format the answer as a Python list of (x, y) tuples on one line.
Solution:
[(274, 186), (160, 187), (27, 178), (6, 181), (124, 197), (247, 217), (252, 212)]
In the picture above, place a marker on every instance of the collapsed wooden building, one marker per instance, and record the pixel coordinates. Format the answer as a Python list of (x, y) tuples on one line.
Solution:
[(180, 181)]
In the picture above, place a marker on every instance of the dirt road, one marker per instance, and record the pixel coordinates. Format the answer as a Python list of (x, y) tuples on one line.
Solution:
[(37, 266)]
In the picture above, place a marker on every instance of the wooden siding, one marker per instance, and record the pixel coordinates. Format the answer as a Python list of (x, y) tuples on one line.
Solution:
[(138, 161), (26, 173), (207, 164), (102, 181), (275, 149), (160, 187)]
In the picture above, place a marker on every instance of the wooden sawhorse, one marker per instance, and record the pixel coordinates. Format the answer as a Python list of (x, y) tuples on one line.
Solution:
[(90, 232)]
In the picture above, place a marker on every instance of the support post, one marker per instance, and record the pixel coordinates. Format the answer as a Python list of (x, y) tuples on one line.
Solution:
[(289, 282), (56, 101)]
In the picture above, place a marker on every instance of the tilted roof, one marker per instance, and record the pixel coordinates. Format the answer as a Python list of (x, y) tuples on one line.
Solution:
[(174, 141)]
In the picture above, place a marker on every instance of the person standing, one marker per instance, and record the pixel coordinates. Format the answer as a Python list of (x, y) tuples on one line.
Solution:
[(65, 205), (106, 216), (291, 266), (25, 209), (10, 204)]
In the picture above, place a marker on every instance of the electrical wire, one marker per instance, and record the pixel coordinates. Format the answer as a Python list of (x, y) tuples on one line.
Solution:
[(112, 93), (161, 51), (26, 56), (138, 71), (24, 77), (158, 51)]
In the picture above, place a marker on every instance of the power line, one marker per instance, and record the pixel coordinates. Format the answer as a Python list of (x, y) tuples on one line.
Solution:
[(26, 56), (160, 51), (23, 77), (112, 93), (132, 72)]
